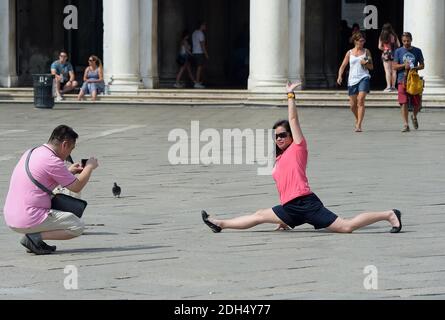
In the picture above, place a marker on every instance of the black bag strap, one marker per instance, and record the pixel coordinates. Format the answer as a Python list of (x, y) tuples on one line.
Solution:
[(38, 184)]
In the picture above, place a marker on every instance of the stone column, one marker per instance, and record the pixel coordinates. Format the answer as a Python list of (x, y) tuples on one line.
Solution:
[(425, 20), (269, 45), (296, 40), (8, 74), (149, 43), (122, 43)]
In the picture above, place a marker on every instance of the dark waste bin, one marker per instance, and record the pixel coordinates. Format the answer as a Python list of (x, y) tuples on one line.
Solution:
[(43, 91)]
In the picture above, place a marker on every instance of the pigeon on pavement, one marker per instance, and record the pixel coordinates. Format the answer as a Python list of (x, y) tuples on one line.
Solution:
[(116, 190)]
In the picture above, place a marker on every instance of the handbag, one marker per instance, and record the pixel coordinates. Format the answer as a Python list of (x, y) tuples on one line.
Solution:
[(414, 84), (60, 202)]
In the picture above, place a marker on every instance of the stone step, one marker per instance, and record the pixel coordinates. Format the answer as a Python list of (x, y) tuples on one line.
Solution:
[(311, 98)]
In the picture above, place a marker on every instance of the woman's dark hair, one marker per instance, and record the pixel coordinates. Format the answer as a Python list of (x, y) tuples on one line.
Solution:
[(62, 133), (285, 124), (184, 34), (387, 32), (357, 36), (96, 60)]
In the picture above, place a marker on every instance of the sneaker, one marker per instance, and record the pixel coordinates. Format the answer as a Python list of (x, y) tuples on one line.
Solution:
[(387, 90), (393, 89), (59, 98), (406, 129), (415, 122), (199, 86), (178, 85)]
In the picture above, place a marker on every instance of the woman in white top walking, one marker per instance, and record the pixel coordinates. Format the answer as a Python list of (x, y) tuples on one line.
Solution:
[(360, 62)]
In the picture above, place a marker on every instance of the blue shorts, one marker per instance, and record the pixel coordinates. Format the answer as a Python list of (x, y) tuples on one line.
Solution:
[(363, 86), (307, 209)]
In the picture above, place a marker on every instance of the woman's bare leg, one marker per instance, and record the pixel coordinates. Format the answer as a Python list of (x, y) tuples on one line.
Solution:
[(360, 109), (362, 220), (387, 65), (394, 77), (81, 95), (189, 70), (354, 109), (249, 221), (179, 76)]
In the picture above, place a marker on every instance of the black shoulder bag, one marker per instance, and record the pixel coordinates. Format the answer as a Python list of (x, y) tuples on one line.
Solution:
[(59, 201)]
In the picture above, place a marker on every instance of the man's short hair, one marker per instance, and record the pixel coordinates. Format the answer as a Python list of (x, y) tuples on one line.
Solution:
[(408, 35), (63, 51), (63, 133)]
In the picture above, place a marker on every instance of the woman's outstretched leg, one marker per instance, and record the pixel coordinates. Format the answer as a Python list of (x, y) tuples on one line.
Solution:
[(365, 219), (248, 221)]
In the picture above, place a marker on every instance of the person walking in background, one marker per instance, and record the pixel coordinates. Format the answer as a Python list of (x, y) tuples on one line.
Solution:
[(64, 76), (184, 58), (360, 62), (388, 43), (406, 58), (93, 79), (200, 53)]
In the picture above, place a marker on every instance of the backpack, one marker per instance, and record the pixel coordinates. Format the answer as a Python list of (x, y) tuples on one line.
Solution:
[(414, 84)]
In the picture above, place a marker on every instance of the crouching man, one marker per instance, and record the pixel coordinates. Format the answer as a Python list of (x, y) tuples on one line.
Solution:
[(28, 209)]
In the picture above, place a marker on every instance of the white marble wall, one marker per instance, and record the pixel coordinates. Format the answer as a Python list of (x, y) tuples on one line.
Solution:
[(269, 45), (121, 41), (426, 21), (296, 39), (149, 43)]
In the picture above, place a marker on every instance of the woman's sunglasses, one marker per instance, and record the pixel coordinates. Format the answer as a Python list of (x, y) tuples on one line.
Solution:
[(282, 135)]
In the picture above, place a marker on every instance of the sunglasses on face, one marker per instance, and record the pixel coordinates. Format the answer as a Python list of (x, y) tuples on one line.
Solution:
[(282, 135)]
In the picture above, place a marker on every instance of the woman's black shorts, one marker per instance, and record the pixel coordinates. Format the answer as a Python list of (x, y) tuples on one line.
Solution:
[(307, 209)]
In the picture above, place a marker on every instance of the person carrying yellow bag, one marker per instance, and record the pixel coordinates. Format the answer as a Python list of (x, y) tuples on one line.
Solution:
[(408, 60)]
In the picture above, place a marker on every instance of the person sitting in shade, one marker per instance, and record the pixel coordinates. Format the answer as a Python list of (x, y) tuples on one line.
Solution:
[(93, 79), (64, 76)]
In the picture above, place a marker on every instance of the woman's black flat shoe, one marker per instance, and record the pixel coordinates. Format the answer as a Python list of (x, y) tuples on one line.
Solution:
[(205, 218), (399, 217)]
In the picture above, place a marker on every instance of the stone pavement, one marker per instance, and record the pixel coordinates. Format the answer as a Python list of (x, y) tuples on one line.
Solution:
[(151, 243)]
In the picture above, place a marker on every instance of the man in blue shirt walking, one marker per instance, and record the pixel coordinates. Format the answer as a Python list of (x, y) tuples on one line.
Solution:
[(406, 58)]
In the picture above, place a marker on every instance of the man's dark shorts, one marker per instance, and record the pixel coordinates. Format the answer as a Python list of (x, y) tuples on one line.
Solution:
[(200, 59), (307, 209)]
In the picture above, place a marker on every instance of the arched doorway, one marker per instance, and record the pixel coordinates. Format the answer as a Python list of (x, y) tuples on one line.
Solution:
[(41, 34), (326, 42), (227, 38)]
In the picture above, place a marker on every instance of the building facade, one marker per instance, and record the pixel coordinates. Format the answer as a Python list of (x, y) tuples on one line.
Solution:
[(253, 44)]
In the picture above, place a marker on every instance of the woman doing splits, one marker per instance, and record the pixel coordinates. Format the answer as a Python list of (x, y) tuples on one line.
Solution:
[(299, 205)]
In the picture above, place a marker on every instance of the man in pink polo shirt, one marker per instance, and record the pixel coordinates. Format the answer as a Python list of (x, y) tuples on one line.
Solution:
[(28, 208), (298, 204)]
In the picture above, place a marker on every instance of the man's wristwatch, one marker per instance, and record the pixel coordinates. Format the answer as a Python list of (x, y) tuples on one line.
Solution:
[(291, 95)]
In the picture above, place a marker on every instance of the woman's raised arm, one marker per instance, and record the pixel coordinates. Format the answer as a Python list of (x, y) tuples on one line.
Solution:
[(294, 122)]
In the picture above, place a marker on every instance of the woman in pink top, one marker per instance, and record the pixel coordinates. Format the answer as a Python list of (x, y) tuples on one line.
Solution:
[(298, 204), (388, 43)]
